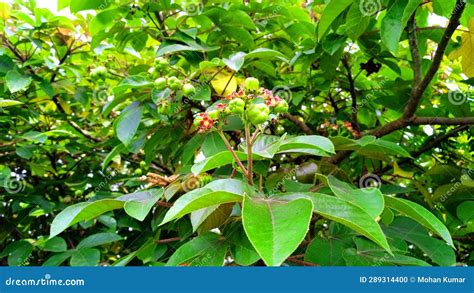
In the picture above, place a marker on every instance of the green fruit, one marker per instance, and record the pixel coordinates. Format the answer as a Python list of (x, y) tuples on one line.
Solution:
[(237, 106), (138, 172), (173, 79), (281, 107), (164, 108), (213, 114), (197, 121), (258, 113), (99, 71), (252, 84), (78, 192), (188, 90), (142, 164), (160, 83)]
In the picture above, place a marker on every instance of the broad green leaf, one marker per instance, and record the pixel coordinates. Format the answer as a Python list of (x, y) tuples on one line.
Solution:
[(465, 211), (241, 249), (135, 81), (127, 123), (57, 259), (332, 10), (167, 48), (85, 211), (18, 253), (215, 193), (276, 228), (265, 53), (139, 204), (205, 250), (98, 239), (79, 5), (308, 144), (346, 213), (56, 244), (265, 146), (218, 160), (16, 81), (235, 61), (103, 20), (356, 21), (9, 103), (370, 146), (465, 51), (395, 22), (85, 257), (419, 214), (371, 200), (82, 212), (326, 252), (406, 229)]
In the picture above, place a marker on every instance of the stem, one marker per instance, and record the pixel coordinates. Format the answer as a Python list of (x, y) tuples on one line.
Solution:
[(249, 154), (229, 147)]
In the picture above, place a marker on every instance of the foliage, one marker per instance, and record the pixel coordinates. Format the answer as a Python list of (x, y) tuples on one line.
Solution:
[(245, 133)]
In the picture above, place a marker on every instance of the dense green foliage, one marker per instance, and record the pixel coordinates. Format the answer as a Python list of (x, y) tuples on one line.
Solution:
[(327, 132)]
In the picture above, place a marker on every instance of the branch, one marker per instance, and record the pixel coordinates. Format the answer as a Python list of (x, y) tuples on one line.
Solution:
[(435, 141), (442, 121), (301, 124), (231, 150), (415, 53), (417, 92), (168, 240), (353, 93)]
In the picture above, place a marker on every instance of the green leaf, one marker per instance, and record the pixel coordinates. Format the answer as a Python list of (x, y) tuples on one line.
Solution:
[(16, 81), (57, 259), (218, 160), (356, 21), (85, 211), (139, 204), (18, 253), (326, 252), (370, 146), (395, 22), (167, 48), (465, 212), (265, 53), (98, 239), (371, 200), (346, 213), (103, 20), (308, 144), (56, 244), (82, 212), (131, 82), (235, 61), (421, 215), (205, 250), (276, 228), (332, 10), (79, 5), (127, 123), (85, 257), (437, 250), (242, 250), (9, 103), (215, 193)]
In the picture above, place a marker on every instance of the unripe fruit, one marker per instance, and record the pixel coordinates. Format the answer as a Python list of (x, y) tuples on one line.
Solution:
[(188, 90), (138, 172), (251, 84), (197, 121), (213, 114), (258, 113), (99, 71), (142, 164), (78, 192), (237, 106), (160, 83), (281, 107), (164, 107)]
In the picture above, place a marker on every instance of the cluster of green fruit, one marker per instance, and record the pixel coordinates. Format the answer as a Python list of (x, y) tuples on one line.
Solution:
[(252, 103), (139, 171), (171, 82)]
